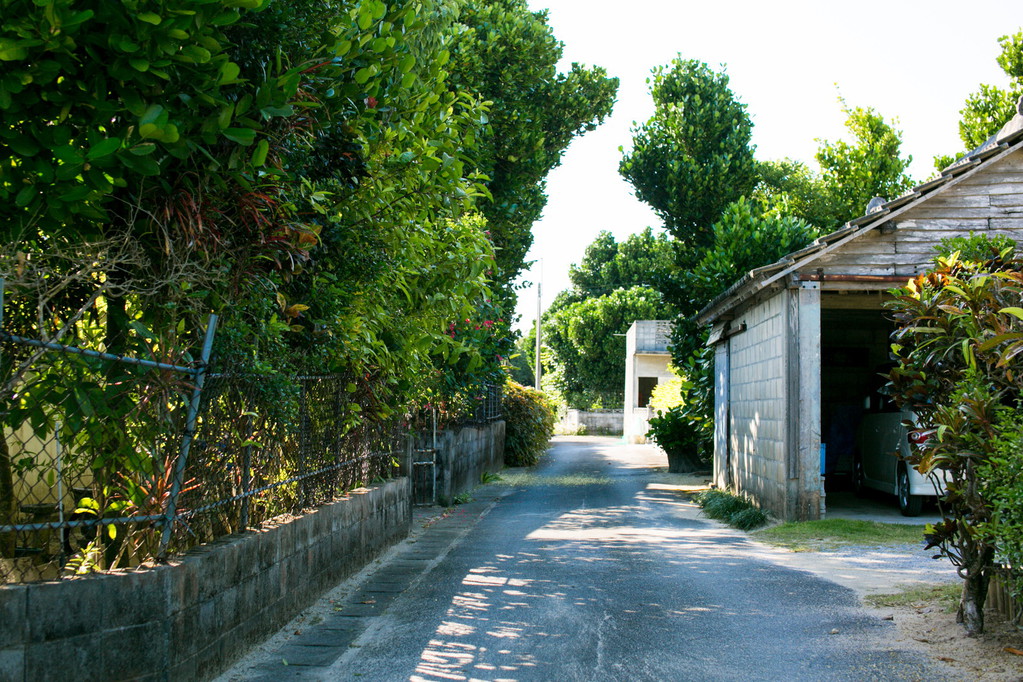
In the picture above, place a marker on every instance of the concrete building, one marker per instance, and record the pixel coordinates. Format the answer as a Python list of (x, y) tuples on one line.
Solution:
[(799, 343), (646, 364)]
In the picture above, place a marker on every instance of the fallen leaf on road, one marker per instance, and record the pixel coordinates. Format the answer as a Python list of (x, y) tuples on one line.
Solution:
[(946, 659), (834, 632), (1013, 650)]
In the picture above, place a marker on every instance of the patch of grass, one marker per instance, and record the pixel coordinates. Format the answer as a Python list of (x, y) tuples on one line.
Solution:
[(734, 510), (809, 536), (462, 498), (748, 519), (490, 477), (525, 479), (945, 596)]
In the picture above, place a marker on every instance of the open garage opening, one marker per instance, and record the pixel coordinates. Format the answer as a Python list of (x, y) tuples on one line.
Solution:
[(860, 428)]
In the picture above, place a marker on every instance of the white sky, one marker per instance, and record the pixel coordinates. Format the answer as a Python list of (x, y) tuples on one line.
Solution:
[(788, 61)]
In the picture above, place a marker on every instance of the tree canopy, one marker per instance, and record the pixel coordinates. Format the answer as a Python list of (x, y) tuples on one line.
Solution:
[(507, 55), (693, 157), (612, 287), (641, 259), (314, 171), (988, 109), (693, 163), (587, 341)]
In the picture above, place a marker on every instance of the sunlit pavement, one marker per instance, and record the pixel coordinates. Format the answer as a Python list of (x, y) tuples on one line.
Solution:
[(591, 568)]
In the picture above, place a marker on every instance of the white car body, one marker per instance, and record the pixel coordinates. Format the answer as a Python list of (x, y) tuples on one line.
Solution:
[(883, 443)]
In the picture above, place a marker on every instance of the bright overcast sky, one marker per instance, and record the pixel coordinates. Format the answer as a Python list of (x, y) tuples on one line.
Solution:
[(788, 61)]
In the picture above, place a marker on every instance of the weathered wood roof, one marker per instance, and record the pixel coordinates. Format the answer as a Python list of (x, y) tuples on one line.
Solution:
[(999, 146)]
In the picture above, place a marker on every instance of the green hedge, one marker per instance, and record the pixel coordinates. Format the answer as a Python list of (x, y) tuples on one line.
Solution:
[(529, 424)]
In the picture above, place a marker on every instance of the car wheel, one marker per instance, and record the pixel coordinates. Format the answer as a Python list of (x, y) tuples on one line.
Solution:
[(859, 484), (909, 505)]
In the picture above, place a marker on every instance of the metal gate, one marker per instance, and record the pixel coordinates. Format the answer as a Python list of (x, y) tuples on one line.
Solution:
[(424, 477)]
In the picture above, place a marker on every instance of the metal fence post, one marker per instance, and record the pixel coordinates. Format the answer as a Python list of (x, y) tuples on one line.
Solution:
[(187, 437), (243, 521), (304, 426)]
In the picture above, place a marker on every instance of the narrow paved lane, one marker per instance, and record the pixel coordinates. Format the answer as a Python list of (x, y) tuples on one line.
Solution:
[(592, 570)]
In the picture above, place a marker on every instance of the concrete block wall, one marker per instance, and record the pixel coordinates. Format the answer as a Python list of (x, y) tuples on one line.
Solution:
[(464, 454), (758, 393), (605, 422), (192, 618)]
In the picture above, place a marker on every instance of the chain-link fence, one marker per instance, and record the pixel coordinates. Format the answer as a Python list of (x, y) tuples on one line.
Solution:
[(110, 460), (488, 406)]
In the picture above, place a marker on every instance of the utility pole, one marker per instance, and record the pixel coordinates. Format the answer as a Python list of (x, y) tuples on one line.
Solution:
[(539, 285)]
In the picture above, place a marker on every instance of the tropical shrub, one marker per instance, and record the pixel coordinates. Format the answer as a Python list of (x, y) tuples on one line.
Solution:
[(1003, 486), (529, 424), (960, 332), (680, 438)]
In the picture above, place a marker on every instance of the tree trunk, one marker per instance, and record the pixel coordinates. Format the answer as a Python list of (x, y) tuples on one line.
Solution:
[(975, 588)]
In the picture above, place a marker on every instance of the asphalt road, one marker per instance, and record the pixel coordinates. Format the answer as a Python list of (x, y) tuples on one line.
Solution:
[(591, 573), (589, 569)]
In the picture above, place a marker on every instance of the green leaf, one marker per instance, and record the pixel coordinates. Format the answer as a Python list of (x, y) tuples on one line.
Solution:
[(151, 131), (271, 111), (225, 18), (259, 153), (23, 145), (11, 51), (243, 136), (25, 196), (195, 53), (997, 340), (77, 194), (150, 18), (365, 16), (152, 114), (229, 73), (143, 149), (104, 148), (139, 64), (1014, 311), (143, 165)]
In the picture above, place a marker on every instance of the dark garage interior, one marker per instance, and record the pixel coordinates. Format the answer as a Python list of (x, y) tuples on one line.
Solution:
[(854, 352)]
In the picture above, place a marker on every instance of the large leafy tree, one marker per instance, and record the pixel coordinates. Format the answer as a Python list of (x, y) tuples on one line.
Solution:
[(852, 173), (988, 109), (506, 54), (692, 162), (642, 259), (588, 345), (693, 157), (613, 286)]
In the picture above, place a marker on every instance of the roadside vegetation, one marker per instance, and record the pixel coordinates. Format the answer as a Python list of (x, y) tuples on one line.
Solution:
[(810, 536), (959, 337), (350, 185), (529, 418), (945, 597), (732, 509)]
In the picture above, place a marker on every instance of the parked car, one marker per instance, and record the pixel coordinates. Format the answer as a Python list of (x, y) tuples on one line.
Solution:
[(882, 445)]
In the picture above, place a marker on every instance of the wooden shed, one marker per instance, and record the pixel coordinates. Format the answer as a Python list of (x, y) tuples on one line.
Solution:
[(799, 343)]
